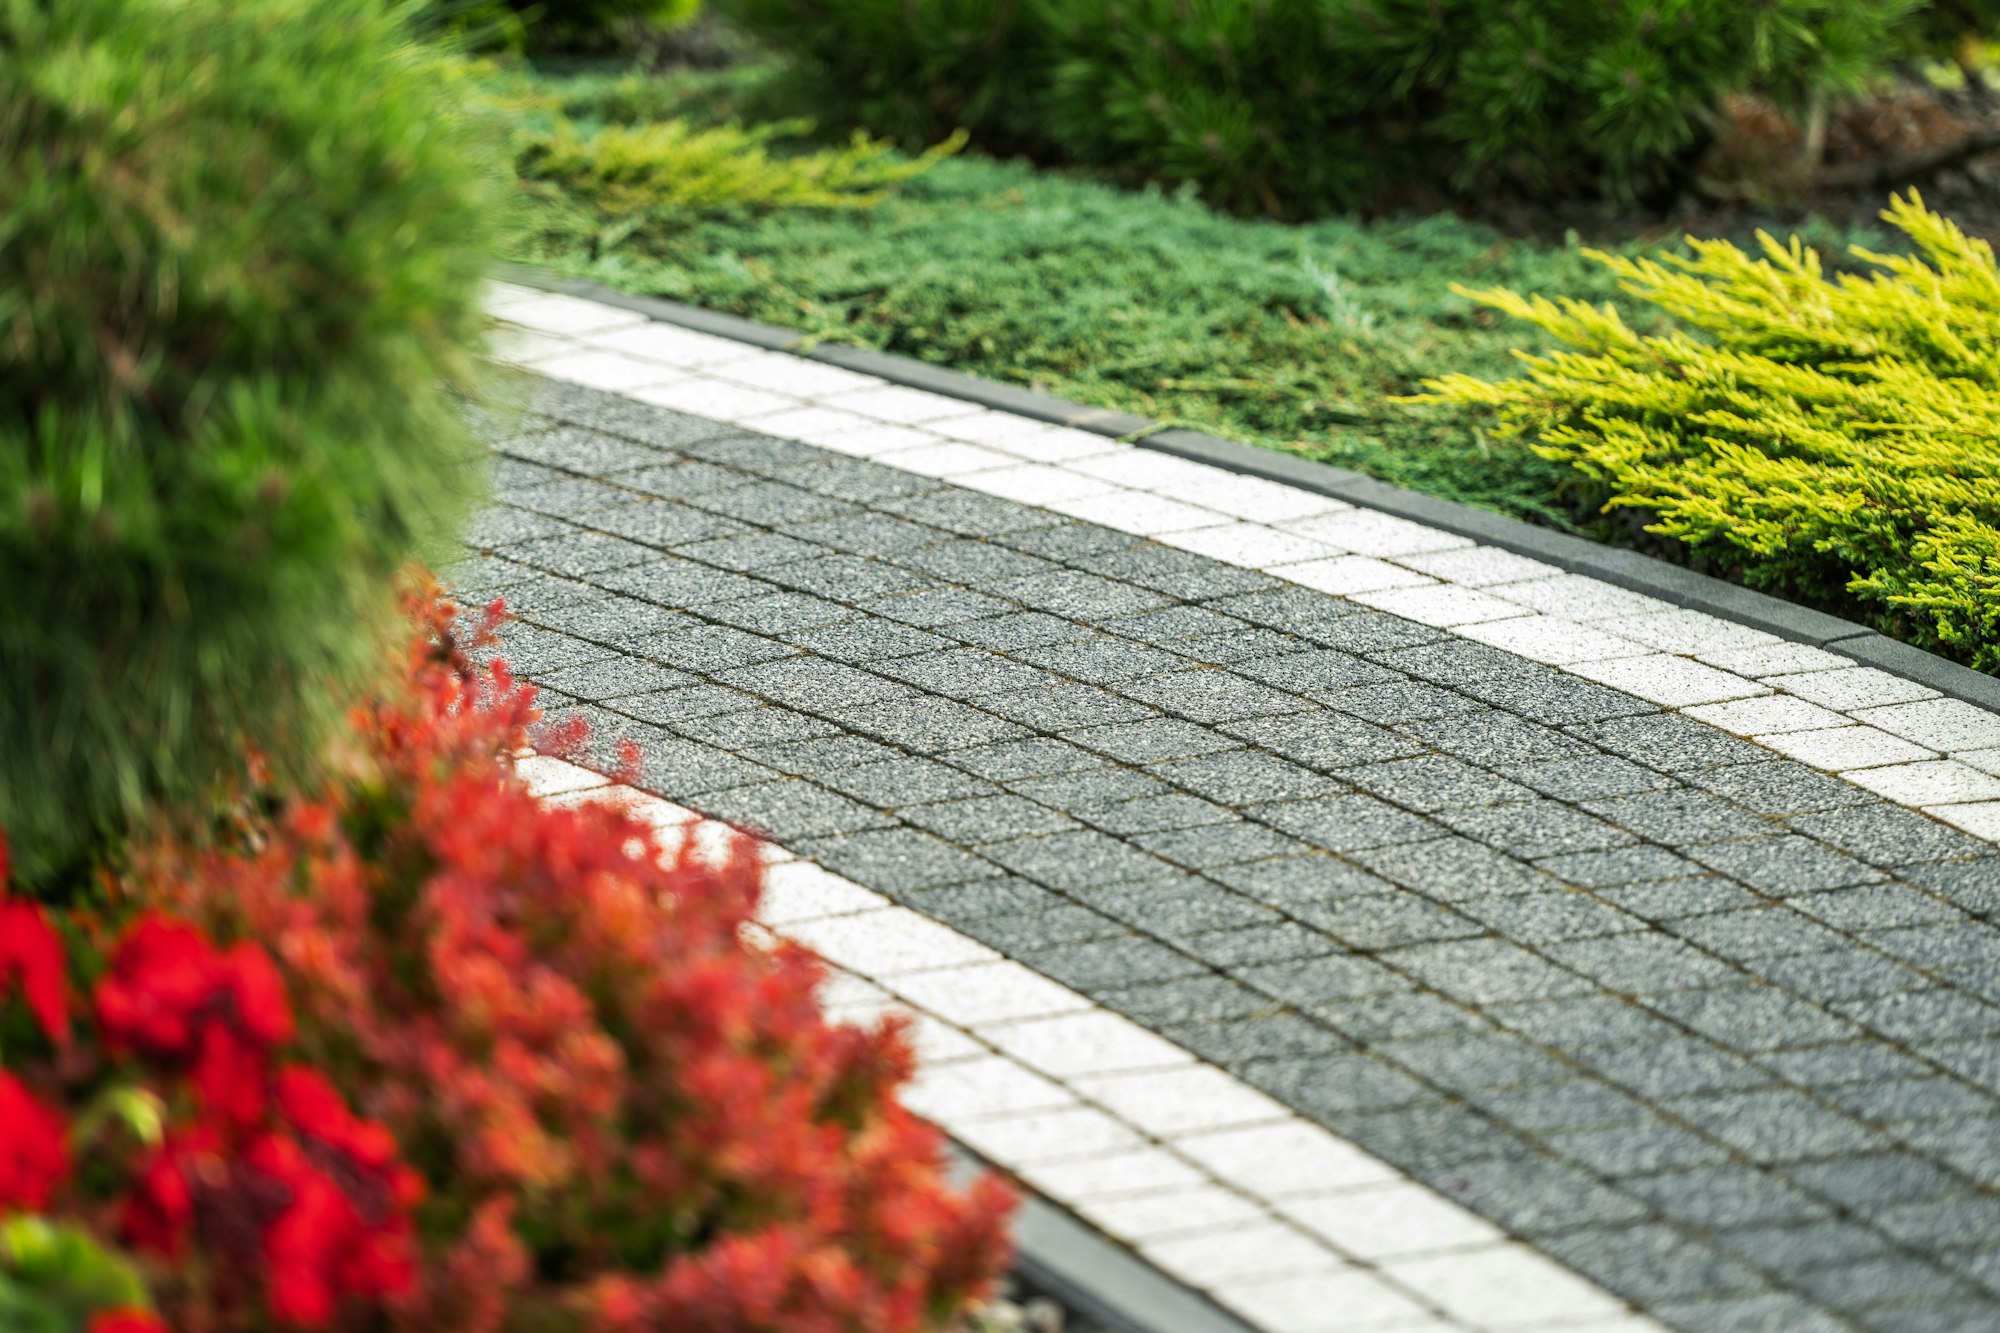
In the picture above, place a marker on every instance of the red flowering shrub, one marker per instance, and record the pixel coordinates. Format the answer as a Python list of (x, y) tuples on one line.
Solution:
[(267, 1200), (127, 1321), (31, 958), (172, 996), (33, 1158), (34, 1152), (628, 1119)]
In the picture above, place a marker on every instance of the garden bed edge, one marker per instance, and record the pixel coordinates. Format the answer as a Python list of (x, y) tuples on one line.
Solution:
[(1626, 569)]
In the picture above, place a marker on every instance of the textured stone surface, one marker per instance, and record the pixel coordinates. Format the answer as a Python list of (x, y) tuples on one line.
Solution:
[(1720, 1032)]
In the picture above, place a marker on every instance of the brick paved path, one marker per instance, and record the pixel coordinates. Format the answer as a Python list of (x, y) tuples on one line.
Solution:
[(1714, 1029)]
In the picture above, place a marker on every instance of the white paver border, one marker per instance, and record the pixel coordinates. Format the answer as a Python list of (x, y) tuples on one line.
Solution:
[(1289, 1226), (1893, 736)]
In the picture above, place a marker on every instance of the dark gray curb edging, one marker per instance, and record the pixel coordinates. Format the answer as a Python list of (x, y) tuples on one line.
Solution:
[(1627, 569), (1095, 1277)]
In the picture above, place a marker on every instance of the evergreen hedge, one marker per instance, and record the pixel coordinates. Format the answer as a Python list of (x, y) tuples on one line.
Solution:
[(1296, 107), (1836, 439), (240, 256)]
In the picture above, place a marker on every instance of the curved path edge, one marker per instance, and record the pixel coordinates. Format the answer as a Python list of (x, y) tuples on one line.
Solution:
[(1885, 731), (1906, 725), (1625, 569), (1211, 1183)]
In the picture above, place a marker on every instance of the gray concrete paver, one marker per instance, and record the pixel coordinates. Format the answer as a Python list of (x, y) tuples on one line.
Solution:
[(1688, 1017)]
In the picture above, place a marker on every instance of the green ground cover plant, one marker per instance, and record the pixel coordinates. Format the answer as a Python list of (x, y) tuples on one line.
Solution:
[(1317, 339), (1294, 337), (1835, 438), (241, 246)]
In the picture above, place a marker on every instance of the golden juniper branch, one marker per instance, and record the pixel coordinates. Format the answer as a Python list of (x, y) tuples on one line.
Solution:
[(1841, 436)]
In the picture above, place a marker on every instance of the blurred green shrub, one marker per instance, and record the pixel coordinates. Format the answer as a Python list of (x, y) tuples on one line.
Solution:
[(1300, 106), (1953, 28), (1832, 438), (917, 72), (244, 241)]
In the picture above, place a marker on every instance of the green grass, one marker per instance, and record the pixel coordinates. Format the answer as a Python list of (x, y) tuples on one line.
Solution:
[(1291, 338)]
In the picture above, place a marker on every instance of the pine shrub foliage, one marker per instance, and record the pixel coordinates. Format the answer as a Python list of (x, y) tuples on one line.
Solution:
[(1296, 107), (1834, 438), (242, 252)]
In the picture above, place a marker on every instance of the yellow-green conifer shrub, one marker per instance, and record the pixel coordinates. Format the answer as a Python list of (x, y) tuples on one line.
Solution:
[(672, 170), (1832, 437)]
